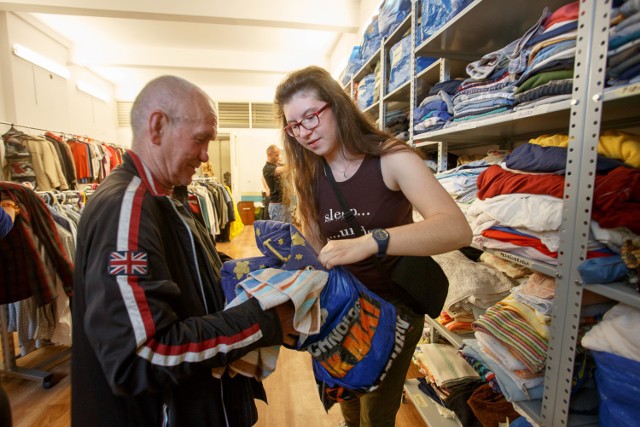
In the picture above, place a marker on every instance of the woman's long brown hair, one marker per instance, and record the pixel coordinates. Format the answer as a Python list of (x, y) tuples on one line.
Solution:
[(356, 134)]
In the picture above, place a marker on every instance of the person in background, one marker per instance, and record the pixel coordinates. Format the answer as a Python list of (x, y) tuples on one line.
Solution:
[(382, 180), (272, 175), (7, 218), (148, 318)]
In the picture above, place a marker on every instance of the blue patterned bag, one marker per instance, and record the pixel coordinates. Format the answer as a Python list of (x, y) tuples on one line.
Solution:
[(360, 332)]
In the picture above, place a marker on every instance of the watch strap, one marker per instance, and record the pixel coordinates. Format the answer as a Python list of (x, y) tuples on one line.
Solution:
[(382, 244)]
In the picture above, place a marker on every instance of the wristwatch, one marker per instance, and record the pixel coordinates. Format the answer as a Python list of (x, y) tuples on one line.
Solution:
[(381, 236)]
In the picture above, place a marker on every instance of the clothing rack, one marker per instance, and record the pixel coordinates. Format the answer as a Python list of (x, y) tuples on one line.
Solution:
[(65, 134), (9, 357), (56, 196), (206, 179), (10, 366)]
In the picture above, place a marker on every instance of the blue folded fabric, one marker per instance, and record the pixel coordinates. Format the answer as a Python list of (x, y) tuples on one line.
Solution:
[(283, 247), (618, 380), (603, 270), (537, 158)]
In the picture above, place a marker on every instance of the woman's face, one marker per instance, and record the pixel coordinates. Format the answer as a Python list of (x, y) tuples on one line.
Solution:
[(322, 139)]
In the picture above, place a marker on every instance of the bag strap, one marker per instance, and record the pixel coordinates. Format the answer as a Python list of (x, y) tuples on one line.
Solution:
[(348, 214), (351, 219)]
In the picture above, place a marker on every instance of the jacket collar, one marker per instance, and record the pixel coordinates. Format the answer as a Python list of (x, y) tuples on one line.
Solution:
[(147, 177)]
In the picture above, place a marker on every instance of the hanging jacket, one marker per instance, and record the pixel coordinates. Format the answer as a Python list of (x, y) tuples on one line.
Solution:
[(32, 256)]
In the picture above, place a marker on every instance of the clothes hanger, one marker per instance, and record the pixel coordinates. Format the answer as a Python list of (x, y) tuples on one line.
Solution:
[(12, 131), (63, 196), (54, 198), (45, 197)]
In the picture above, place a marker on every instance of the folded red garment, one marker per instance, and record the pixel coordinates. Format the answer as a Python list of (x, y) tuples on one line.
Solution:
[(616, 196)]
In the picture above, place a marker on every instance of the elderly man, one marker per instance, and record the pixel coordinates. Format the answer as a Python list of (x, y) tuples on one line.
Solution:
[(148, 319)]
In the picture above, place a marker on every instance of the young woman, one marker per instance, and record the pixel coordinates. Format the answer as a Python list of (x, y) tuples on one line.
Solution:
[(382, 179)]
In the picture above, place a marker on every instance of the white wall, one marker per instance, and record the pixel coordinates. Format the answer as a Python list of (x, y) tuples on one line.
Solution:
[(5, 62), (37, 98)]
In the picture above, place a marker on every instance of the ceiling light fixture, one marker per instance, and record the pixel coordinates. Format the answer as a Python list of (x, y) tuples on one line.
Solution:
[(91, 90), (41, 61)]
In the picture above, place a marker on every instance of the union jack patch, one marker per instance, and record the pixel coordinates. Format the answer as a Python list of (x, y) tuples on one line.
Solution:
[(128, 263)]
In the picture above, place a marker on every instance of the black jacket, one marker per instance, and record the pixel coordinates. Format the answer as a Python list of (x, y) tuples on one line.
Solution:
[(148, 324)]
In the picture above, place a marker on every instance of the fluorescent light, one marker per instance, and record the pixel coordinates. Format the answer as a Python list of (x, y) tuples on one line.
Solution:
[(91, 90), (41, 61)]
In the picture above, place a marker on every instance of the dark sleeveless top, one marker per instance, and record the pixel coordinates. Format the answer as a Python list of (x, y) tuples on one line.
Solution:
[(375, 206)]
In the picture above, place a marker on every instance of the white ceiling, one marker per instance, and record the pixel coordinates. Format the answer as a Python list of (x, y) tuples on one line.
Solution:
[(214, 43)]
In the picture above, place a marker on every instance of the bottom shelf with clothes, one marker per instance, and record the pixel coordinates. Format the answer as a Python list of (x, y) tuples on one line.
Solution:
[(427, 408)]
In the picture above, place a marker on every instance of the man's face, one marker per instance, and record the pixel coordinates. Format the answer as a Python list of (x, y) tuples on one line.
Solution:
[(274, 157), (186, 143)]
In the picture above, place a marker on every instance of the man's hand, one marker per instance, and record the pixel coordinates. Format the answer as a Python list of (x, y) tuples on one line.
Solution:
[(285, 314)]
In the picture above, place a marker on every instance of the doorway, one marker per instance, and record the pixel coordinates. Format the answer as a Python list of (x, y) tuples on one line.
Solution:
[(220, 158)]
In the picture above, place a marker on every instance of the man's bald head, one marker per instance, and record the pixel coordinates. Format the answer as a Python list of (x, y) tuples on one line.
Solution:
[(169, 94), (173, 122)]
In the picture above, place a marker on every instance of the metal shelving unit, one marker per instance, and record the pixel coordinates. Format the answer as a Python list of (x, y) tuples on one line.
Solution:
[(584, 133), (452, 337), (617, 291), (582, 117), (540, 267), (478, 30)]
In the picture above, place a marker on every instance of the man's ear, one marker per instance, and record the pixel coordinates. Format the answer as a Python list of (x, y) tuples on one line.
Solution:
[(157, 122)]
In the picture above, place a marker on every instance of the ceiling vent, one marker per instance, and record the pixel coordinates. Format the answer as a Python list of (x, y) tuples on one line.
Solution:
[(255, 115), (234, 115), (231, 115), (263, 116), (124, 114)]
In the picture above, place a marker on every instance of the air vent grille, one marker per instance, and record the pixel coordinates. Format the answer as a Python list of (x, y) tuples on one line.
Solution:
[(230, 115), (234, 115), (263, 116), (124, 114)]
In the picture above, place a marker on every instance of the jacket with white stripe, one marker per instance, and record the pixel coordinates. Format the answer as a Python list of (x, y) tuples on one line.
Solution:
[(148, 319)]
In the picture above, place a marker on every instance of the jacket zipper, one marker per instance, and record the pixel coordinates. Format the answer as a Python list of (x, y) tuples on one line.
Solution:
[(165, 415), (224, 408), (193, 252), (195, 257)]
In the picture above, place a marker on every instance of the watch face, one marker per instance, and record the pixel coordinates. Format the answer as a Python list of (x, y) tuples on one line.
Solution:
[(380, 234)]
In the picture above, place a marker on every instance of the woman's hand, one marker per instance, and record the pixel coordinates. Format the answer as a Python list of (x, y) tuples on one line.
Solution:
[(347, 251)]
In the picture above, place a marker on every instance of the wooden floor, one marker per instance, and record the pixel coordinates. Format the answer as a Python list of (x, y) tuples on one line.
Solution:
[(291, 389)]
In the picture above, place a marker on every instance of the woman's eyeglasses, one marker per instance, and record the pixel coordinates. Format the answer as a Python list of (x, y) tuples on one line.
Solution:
[(309, 123)]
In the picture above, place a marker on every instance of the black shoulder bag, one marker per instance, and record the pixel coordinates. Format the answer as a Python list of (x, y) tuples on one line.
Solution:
[(419, 276)]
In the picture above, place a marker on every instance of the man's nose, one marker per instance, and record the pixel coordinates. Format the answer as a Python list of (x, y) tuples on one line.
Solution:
[(204, 155)]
